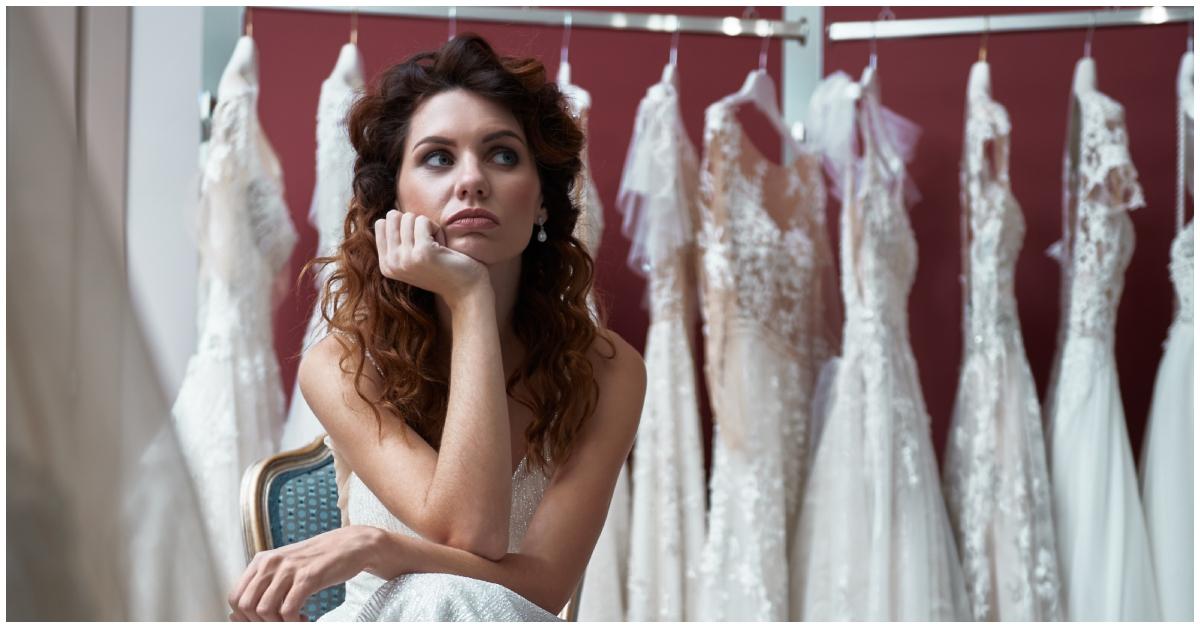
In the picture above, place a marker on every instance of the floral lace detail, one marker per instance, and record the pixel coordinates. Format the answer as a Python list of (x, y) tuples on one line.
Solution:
[(335, 164), (768, 329), (230, 407), (657, 199), (996, 481), (1183, 271), (590, 227), (1101, 240), (873, 535)]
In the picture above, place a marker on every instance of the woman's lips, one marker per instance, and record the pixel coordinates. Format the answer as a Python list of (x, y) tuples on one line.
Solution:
[(472, 223)]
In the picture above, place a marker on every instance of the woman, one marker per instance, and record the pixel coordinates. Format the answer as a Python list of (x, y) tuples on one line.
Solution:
[(462, 350)]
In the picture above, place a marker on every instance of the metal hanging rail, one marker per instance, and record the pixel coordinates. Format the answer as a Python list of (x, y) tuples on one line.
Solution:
[(1013, 22), (613, 20)]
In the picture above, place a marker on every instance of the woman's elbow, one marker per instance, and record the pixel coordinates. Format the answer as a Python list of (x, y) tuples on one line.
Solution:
[(489, 545)]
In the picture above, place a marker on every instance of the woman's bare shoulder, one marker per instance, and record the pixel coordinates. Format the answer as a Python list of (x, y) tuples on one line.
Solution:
[(620, 374), (613, 357)]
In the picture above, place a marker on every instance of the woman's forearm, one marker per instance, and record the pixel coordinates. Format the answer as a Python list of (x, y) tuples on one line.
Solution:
[(472, 480), (395, 554)]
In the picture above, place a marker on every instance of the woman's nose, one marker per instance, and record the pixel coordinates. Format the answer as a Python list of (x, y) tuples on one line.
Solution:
[(472, 182)]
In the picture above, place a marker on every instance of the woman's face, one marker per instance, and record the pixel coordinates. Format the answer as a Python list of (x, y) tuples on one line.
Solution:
[(465, 152)]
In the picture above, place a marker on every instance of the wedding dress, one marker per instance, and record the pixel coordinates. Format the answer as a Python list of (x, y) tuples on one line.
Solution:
[(768, 328), (331, 199), (657, 199), (230, 407), (995, 477), (874, 541), (432, 596), (590, 226), (1104, 552), (603, 595), (1167, 457)]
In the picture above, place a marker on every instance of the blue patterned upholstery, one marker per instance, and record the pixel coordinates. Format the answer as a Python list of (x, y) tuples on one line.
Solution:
[(302, 503)]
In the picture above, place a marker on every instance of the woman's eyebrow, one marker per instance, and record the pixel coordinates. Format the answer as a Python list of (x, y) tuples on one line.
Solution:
[(437, 139)]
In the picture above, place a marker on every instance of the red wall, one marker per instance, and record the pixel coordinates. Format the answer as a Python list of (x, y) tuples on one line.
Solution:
[(1031, 75), (926, 80)]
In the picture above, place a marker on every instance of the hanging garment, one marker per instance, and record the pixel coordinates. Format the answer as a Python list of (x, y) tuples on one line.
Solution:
[(1104, 553), (590, 227), (603, 595), (432, 596), (102, 521), (658, 200), (768, 327), (874, 541), (330, 201), (1167, 480), (995, 477), (229, 412)]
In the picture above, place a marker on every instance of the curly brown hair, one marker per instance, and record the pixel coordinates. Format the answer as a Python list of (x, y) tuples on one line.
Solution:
[(397, 322)]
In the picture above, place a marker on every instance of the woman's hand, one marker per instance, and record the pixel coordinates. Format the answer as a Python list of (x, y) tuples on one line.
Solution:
[(412, 249), (277, 582)]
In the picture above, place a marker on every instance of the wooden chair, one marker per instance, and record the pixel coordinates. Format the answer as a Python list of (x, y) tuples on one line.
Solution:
[(292, 496)]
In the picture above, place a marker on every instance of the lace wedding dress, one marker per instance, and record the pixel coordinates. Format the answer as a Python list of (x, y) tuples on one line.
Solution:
[(230, 407), (768, 327), (874, 541), (432, 596), (331, 200), (1167, 472), (603, 595), (657, 199), (1103, 548), (995, 477)]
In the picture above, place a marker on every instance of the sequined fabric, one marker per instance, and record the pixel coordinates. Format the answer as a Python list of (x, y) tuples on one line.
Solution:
[(1103, 547), (874, 539), (996, 480), (433, 597)]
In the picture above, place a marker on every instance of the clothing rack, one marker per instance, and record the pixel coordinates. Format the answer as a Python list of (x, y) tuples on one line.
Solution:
[(613, 20), (1013, 22)]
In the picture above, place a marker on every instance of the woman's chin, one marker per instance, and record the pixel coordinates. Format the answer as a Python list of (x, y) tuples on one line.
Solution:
[(475, 246)]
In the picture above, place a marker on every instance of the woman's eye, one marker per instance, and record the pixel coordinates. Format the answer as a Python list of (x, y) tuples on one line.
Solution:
[(511, 154), (435, 154)]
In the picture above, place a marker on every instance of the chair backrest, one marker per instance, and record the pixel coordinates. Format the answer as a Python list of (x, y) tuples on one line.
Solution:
[(292, 496), (289, 497)]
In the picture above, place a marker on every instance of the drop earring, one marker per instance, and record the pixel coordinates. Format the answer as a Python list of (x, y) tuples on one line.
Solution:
[(541, 236)]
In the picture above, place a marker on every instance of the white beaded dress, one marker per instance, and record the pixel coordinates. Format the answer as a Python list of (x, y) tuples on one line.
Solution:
[(603, 595), (1168, 460), (330, 202), (230, 407), (1104, 551), (995, 476), (769, 319), (874, 542), (657, 199)]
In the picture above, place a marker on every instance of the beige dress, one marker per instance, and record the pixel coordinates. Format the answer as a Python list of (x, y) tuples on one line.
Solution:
[(770, 313)]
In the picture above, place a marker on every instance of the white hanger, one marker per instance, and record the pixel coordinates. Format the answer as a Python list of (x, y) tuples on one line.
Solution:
[(670, 72), (759, 90), (564, 66), (1085, 75), (581, 98), (349, 66), (242, 69)]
